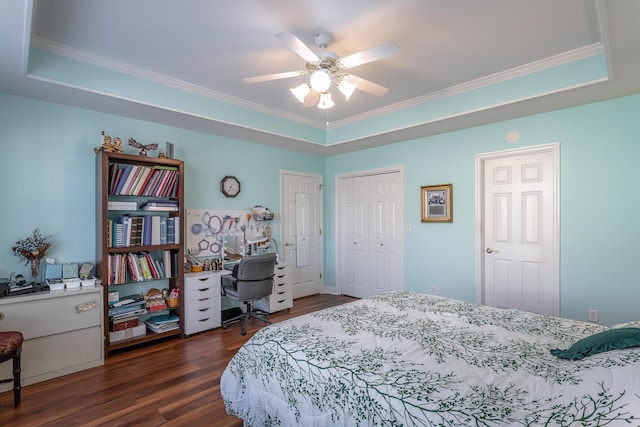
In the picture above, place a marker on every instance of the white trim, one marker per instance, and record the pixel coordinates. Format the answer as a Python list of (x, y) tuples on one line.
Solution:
[(496, 78), (554, 148)]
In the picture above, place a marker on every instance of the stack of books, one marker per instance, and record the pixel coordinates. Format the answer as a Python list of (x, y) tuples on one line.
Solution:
[(123, 317), (163, 323)]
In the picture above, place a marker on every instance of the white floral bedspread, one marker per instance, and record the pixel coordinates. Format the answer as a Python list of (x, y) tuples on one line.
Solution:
[(410, 359)]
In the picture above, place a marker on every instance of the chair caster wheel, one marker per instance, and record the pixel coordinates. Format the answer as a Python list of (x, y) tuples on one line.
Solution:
[(243, 332), (225, 326)]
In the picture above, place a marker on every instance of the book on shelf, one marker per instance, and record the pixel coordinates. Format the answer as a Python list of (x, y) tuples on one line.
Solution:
[(126, 309), (130, 178), (142, 230), (123, 323), (114, 205), (160, 205), (155, 230), (134, 176), (129, 315), (163, 323), (123, 178), (163, 230), (161, 319), (129, 299), (144, 177), (140, 180)]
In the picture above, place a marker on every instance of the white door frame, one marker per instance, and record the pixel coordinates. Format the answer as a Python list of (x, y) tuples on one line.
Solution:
[(479, 229), (336, 238)]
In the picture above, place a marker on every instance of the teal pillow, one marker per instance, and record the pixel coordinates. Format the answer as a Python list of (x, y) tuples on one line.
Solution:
[(612, 339)]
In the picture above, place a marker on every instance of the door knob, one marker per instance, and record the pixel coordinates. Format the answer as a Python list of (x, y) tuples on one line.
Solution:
[(490, 251)]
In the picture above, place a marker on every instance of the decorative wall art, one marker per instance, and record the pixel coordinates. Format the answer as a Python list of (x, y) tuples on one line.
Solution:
[(436, 203)]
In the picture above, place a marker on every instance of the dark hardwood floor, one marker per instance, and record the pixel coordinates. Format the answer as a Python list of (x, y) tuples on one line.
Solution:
[(172, 383)]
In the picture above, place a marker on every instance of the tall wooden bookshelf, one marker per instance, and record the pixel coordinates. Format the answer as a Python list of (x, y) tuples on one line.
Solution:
[(111, 251)]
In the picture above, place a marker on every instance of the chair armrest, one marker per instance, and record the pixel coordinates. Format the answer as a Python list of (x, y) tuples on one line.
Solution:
[(227, 281)]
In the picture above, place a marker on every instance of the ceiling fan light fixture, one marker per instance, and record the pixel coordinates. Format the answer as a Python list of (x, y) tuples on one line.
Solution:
[(347, 88), (325, 101), (320, 80), (301, 92)]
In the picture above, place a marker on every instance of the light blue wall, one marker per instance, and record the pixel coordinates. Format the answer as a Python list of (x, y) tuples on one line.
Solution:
[(600, 235), (47, 167)]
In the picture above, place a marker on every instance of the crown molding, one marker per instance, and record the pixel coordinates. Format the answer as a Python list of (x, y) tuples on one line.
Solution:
[(121, 67), (503, 76)]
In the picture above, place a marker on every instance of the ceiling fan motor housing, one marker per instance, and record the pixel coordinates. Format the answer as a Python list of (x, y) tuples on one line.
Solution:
[(322, 40)]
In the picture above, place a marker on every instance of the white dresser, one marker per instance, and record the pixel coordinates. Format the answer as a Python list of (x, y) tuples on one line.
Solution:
[(62, 332), (202, 301), (282, 296)]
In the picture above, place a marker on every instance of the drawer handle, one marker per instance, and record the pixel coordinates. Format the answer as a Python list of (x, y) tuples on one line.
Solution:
[(203, 289), (203, 320), (202, 310), (203, 299), (281, 293), (202, 279), (281, 301), (280, 277)]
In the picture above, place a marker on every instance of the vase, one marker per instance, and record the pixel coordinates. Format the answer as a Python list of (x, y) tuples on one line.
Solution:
[(35, 269)]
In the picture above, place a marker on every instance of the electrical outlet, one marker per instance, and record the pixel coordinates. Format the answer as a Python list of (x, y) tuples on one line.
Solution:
[(433, 290), (439, 290), (593, 315), (408, 228)]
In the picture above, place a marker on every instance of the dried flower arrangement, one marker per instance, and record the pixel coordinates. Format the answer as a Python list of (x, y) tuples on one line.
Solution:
[(32, 250)]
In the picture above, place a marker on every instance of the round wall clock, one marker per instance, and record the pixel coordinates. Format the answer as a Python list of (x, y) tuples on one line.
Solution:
[(230, 186)]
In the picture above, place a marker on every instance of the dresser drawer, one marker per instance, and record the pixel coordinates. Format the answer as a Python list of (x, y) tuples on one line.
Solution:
[(204, 287), (202, 304), (201, 321), (51, 316)]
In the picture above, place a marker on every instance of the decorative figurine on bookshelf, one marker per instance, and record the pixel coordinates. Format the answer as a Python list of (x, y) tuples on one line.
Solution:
[(106, 144), (117, 145), (143, 148), (161, 155)]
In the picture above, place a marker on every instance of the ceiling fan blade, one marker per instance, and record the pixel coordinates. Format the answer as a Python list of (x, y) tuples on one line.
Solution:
[(298, 47), (276, 76), (367, 86), (369, 55), (312, 99)]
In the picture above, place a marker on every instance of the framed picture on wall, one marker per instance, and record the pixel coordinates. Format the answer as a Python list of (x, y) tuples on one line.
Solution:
[(436, 203)]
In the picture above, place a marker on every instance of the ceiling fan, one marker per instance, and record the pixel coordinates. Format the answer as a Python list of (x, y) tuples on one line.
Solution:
[(327, 67)]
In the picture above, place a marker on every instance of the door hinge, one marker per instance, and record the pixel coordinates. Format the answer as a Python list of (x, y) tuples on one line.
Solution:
[(321, 275), (320, 231), (320, 186)]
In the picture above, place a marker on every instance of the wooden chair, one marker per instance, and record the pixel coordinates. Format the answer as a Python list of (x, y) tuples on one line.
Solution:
[(10, 349)]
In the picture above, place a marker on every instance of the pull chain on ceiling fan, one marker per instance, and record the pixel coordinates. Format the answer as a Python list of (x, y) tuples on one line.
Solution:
[(327, 68)]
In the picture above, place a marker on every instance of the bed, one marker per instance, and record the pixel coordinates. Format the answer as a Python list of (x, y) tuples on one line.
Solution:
[(403, 358)]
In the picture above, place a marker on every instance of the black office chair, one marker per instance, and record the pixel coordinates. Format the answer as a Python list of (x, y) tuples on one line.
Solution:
[(252, 279)]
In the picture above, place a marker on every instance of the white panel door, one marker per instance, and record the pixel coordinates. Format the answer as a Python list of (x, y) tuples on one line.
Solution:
[(519, 226), (370, 239), (302, 225)]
